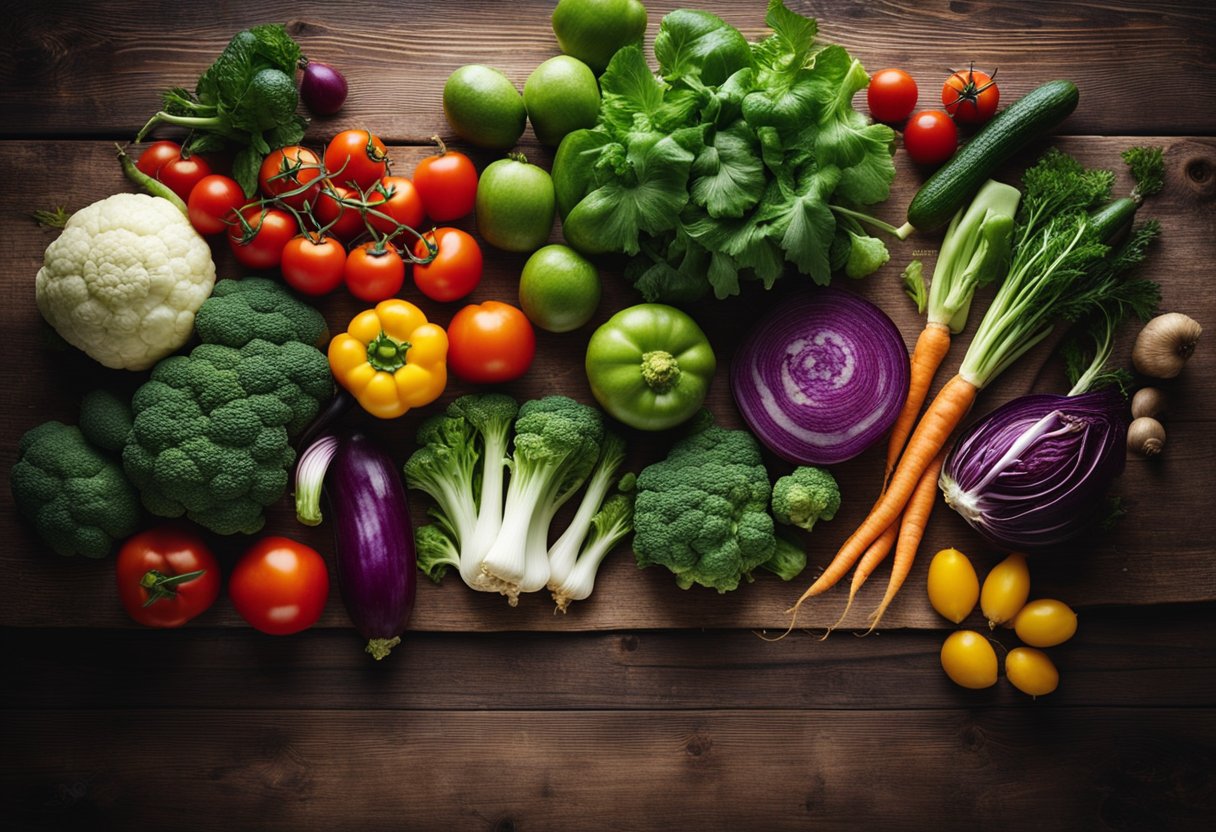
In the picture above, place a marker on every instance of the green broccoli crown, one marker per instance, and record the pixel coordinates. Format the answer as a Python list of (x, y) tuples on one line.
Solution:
[(105, 420), (77, 498), (436, 551), (613, 520), (806, 495), (559, 435), (489, 413), (444, 466), (211, 432), (703, 511), (239, 311)]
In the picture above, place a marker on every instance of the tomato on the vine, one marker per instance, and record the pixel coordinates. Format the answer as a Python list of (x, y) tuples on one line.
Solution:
[(396, 198), (156, 156), (930, 137), (456, 269), (891, 95), (356, 156), (447, 183), (287, 170), (344, 221), (166, 576), (258, 242), (181, 175), (971, 97), (279, 586), (213, 203), (490, 342), (313, 266), (374, 272)]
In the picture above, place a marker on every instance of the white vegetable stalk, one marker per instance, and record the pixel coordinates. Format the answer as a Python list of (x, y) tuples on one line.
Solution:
[(609, 527), (489, 515), (564, 551), (504, 565)]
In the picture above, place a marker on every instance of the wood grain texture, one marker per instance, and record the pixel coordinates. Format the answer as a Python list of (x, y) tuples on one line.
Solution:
[(1163, 555), (105, 69)]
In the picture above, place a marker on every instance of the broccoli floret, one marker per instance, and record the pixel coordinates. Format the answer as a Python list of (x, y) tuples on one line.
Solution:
[(703, 511), (257, 307), (436, 551), (806, 495), (105, 420), (788, 560), (211, 430), (77, 498)]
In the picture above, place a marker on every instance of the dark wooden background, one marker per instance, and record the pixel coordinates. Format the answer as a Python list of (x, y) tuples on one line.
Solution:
[(645, 707)]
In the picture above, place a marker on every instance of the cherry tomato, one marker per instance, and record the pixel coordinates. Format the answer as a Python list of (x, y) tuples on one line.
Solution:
[(490, 342), (311, 266), (971, 97), (374, 275), (279, 586), (456, 269), (287, 170), (213, 203), (181, 175), (166, 576), (447, 182), (891, 95), (396, 197), (356, 156), (349, 222), (261, 246), (157, 155), (930, 137)]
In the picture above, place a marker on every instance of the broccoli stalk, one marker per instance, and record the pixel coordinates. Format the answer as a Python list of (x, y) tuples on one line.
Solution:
[(492, 416), (607, 528), (565, 550)]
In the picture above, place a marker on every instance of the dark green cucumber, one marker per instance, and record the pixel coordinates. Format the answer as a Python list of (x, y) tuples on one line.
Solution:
[(1030, 117), (1111, 221)]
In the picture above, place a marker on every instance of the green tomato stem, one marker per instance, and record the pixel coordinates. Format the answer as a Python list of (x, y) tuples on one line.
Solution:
[(660, 370)]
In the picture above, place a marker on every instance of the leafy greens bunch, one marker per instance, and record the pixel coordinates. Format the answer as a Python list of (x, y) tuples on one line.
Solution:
[(735, 159), (245, 101)]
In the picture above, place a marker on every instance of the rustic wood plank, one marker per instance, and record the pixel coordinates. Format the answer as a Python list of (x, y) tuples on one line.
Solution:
[(1161, 555), (107, 70), (1078, 768), (1134, 658)]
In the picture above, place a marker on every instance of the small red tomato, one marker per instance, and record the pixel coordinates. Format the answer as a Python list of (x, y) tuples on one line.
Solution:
[(356, 156), (930, 137), (971, 97), (343, 221), (312, 266), (396, 198), (258, 242), (279, 586), (166, 576), (213, 203), (374, 272), (456, 269), (490, 342), (891, 95), (157, 155), (447, 182), (291, 174), (181, 175)]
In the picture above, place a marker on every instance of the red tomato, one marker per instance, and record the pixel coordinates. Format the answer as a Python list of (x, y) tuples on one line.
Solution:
[(213, 203), (930, 137), (157, 155), (181, 175), (279, 586), (343, 222), (166, 576), (456, 269), (891, 95), (286, 171), (311, 266), (448, 185), (490, 342), (373, 275), (971, 97), (396, 198), (261, 245), (356, 156)]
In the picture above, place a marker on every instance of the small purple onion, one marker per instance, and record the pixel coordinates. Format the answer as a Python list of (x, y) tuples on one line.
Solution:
[(323, 88), (822, 378)]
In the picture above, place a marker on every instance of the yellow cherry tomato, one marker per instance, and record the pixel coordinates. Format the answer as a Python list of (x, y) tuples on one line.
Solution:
[(969, 660), (953, 585), (1031, 671), (1005, 590), (1045, 623)]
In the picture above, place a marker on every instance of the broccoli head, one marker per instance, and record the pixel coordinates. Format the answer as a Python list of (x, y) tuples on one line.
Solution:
[(804, 496), (703, 511), (211, 430), (105, 420), (239, 311), (77, 498)]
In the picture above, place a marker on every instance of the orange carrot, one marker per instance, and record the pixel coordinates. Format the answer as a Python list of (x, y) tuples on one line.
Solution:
[(875, 555), (931, 348), (911, 531)]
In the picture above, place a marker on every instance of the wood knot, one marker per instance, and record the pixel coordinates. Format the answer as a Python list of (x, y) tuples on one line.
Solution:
[(973, 738), (296, 28), (629, 643), (1200, 175), (698, 746), (505, 825)]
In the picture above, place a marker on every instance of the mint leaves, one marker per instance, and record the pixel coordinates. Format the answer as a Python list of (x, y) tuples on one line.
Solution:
[(731, 164)]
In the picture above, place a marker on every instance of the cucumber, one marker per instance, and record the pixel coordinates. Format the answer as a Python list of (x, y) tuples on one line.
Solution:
[(1111, 221), (955, 182)]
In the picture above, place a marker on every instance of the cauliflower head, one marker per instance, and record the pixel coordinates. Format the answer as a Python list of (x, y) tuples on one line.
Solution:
[(124, 279)]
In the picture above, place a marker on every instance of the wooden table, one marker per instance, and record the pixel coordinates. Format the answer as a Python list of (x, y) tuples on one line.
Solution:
[(646, 706)]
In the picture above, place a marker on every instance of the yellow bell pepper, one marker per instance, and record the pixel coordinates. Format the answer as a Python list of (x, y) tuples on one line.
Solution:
[(390, 359)]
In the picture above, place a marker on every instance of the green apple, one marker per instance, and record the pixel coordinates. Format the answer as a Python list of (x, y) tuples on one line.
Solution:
[(593, 30)]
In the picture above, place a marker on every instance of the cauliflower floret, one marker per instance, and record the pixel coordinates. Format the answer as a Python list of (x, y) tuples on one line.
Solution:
[(124, 279)]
